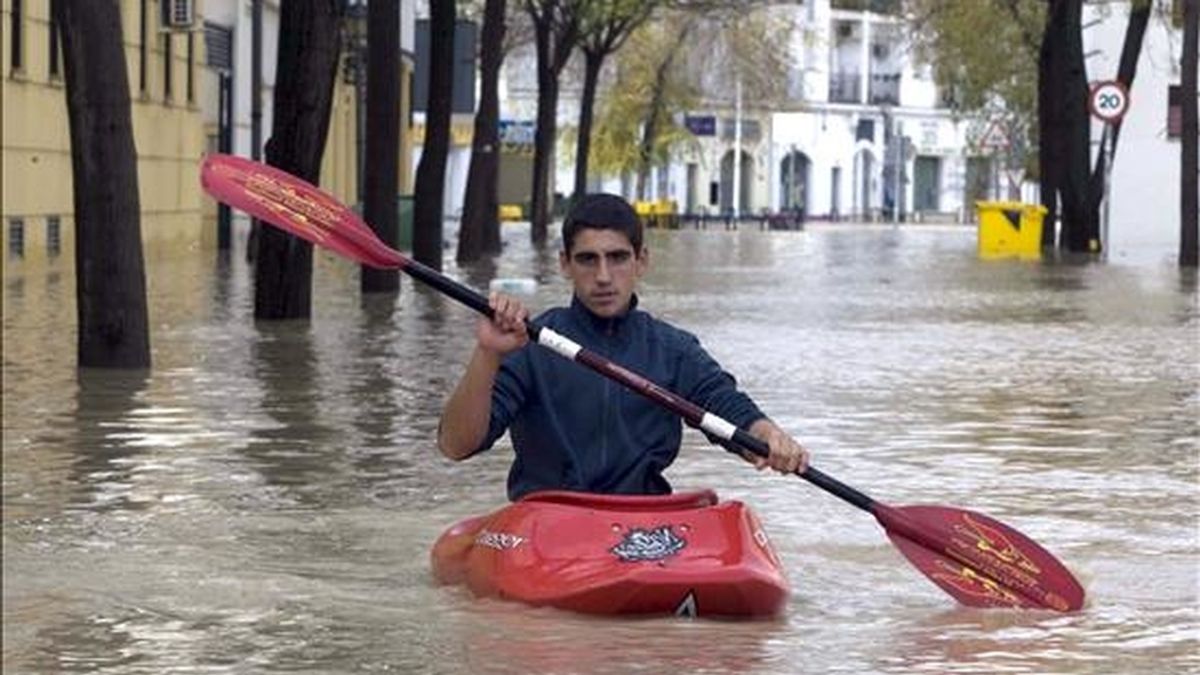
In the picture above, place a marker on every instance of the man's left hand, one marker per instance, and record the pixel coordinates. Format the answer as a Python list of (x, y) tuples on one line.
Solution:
[(787, 455)]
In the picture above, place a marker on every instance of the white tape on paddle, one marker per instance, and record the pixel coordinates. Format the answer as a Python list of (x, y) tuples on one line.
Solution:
[(717, 426), (557, 343)]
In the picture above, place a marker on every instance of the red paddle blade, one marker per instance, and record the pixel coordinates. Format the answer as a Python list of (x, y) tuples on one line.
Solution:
[(979, 560), (295, 206)]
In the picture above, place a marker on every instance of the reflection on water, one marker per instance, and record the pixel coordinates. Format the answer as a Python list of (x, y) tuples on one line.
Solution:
[(265, 497)]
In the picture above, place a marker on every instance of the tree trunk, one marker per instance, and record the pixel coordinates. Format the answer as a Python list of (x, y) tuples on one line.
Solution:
[(654, 112), (308, 61), (109, 268), (431, 171), (593, 60), (479, 233), (1189, 171), (543, 138), (556, 32), (1064, 127), (1049, 155), (1131, 50), (383, 129)]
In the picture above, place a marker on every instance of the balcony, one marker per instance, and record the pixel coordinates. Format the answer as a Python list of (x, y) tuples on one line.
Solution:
[(845, 88), (884, 89)]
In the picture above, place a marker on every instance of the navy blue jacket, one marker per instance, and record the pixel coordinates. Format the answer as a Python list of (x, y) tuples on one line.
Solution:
[(575, 429)]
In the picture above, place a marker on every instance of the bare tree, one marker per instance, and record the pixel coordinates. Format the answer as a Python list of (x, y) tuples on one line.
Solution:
[(383, 128), (110, 272), (1064, 132), (308, 60), (606, 26), (1131, 51), (430, 184), (479, 232), (1189, 200), (655, 109), (556, 29)]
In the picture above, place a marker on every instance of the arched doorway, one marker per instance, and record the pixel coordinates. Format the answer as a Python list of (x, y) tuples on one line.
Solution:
[(864, 183), (747, 182), (795, 173)]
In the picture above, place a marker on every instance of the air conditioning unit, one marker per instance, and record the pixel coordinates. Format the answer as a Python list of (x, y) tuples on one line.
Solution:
[(178, 15)]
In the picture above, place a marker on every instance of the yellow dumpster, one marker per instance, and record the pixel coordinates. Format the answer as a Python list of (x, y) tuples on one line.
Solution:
[(1010, 229), (661, 213), (510, 212)]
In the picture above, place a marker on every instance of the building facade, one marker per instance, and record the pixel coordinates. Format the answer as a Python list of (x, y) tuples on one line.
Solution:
[(191, 93), (862, 134), (37, 202)]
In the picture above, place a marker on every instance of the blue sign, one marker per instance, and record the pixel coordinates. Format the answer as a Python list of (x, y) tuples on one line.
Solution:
[(701, 125), (514, 132)]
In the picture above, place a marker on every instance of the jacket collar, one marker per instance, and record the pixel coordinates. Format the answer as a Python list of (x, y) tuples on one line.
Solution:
[(603, 325)]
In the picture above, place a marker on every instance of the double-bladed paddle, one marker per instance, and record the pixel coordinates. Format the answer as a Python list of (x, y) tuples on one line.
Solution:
[(978, 560)]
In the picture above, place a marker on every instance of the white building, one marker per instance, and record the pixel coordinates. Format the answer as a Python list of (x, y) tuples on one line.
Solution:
[(1144, 210), (227, 75), (832, 150), (829, 151)]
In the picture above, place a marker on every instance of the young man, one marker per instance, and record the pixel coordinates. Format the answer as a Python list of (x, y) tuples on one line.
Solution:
[(573, 428)]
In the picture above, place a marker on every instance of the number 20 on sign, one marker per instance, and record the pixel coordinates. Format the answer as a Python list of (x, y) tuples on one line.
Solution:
[(1108, 101)]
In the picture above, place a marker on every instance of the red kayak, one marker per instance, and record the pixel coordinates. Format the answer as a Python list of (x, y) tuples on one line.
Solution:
[(683, 554)]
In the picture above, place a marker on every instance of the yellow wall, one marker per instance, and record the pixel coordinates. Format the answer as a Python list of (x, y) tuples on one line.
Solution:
[(36, 167), (339, 167), (169, 134)]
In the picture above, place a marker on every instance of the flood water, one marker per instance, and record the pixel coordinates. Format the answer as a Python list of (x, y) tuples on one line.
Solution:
[(265, 498)]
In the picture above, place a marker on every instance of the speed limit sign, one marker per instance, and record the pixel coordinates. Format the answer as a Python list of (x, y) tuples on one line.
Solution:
[(1108, 101)]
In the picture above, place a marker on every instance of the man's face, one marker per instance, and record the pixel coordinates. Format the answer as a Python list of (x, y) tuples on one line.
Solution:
[(604, 269)]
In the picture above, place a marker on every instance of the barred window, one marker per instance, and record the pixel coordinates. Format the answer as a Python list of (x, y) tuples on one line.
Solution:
[(16, 62), (16, 238), (168, 67), (55, 67), (142, 38), (191, 58), (53, 236)]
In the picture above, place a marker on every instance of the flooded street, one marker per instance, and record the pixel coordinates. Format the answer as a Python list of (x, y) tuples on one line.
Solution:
[(265, 498)]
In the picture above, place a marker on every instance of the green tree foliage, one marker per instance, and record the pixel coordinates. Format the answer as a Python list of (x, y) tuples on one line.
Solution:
[(982, 50), (605, 26), (627, 105), (685, 60), (984, 55)]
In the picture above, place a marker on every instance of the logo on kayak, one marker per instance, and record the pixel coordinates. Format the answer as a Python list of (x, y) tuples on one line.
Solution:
[(642, 545), (501, 541)]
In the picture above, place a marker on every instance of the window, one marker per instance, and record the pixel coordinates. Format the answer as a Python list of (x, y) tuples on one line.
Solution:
[(53, 236), (55, 67), (865, 131), (15, 60), (16, 238), (218, 47), (142, 49), (191, 59), (1174, 111), (168, 84)]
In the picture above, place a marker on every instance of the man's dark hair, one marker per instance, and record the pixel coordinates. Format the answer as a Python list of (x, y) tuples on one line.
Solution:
[(602, 211)]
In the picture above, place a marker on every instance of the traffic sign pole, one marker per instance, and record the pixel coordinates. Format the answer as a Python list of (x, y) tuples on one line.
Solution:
[(1108, 102)]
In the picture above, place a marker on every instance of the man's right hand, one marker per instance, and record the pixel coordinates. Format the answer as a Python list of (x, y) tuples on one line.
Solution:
[(505, 332)]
